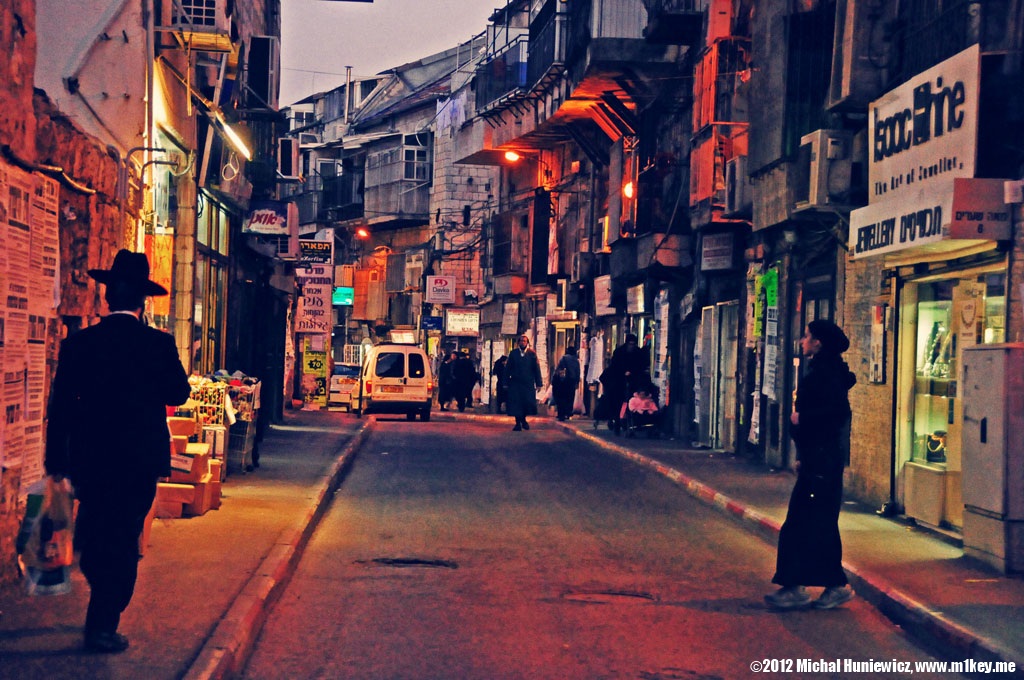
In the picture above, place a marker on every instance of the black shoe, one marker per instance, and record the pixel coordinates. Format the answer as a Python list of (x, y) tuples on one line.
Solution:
[(526, 425), (517, 428), (105, 643)]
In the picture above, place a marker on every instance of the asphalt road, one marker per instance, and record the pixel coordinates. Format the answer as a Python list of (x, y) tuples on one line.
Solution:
[(466, 551)]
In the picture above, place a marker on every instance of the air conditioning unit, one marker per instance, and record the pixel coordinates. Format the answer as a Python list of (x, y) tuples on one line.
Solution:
[(737, 184), (262, 72), (201, 16), (825, 161), (308, 139), (581, 266)]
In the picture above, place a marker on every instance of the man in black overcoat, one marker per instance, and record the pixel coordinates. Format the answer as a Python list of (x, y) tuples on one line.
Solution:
[(523, 377), (107, 431)]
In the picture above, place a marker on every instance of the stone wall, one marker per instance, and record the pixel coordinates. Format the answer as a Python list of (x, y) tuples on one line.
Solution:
[(872, 426), (36, 136)]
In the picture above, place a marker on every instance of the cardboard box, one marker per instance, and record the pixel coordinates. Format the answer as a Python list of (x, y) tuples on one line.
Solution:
[(202, 500), (169, 492), (191, 465), (178, 443), (216, 491), (217, 437), (179, 426), (217, 469)]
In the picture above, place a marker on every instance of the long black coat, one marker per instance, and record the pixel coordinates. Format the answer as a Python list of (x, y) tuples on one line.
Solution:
[(522, 375), (107, 420), (810, 548)]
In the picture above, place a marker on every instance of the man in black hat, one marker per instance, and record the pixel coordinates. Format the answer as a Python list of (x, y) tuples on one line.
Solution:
[(107, 431)]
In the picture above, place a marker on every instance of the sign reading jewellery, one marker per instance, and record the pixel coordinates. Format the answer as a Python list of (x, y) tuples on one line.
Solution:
[(923, 135)]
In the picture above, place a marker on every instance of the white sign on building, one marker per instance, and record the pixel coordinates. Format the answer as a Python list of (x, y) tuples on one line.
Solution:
[(440, 289)]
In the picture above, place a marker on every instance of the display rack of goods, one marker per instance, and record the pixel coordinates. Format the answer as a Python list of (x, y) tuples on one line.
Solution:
[(209, 398)]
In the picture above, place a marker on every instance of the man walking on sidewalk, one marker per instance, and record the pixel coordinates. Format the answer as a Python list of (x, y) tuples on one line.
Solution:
[(810, 550), (522, 374), (107, 431)]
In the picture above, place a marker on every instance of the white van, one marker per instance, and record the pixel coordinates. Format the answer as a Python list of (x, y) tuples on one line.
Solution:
[(394, 379)]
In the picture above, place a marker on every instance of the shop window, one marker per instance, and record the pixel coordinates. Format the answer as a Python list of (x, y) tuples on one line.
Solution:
[(951, 314)]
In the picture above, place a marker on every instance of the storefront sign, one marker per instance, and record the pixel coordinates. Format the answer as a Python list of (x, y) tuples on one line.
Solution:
[(510, 319), (926, 129), (440, 290), (343, 296), (635, 300), (431, 323), (923, 136), (314, 313), (463, 322), (979, 210), (315, 252), (603, 296), (954, 208), (267, 218), (716, 252)]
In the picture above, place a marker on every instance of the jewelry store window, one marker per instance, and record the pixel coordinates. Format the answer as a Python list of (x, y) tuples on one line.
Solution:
[(939, 318), (951, 314)]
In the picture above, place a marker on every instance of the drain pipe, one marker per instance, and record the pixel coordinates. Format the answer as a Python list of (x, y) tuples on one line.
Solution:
[(348, 92)]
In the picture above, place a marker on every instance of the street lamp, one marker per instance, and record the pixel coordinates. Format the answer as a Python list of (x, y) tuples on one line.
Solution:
[(514, 157)]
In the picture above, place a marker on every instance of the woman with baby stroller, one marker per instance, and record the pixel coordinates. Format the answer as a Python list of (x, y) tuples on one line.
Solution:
[(641, 412), (628, 362)]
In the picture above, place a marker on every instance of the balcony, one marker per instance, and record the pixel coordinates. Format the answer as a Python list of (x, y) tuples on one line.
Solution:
[(675, 22), (504, 76), (546, 58)]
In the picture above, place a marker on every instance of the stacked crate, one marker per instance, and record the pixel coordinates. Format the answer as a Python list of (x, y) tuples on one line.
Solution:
[(194, 486)]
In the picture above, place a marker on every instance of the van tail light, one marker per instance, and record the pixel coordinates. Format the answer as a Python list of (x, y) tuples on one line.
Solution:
[(369, 386), (430, 385)]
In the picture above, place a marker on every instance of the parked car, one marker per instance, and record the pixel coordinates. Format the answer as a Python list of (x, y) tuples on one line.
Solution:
[(395, 379), (344, 381)]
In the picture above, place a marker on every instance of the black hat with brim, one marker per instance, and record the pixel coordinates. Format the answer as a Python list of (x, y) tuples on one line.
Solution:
[(130, 268)]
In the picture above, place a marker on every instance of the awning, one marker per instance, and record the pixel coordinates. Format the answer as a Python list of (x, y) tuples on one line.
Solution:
[(357, 141)]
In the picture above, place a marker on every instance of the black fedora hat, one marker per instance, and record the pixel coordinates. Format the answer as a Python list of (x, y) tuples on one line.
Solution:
[(131, 268)]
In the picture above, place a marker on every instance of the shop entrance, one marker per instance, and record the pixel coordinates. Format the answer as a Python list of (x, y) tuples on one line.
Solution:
[(716, 398), (939, 317)]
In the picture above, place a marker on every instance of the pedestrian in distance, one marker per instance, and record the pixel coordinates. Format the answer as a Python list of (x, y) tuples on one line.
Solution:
[(107, 432), (627, 364), (522, 374), (565, 379), (500, 386), (464, 377), (810, 550), (446, 381)]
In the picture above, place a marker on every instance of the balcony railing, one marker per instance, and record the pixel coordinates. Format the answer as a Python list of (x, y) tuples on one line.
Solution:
[(502, 75), (676, 22), (593, 19), (926, 38), (547, 44), (323, 199)]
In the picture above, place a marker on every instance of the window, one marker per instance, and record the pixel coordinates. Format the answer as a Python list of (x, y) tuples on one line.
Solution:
[(391, 365), (417, 369), (415, 153)]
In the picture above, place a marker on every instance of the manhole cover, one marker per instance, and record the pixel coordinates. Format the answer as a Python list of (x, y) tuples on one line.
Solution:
[(608, 597), (411, 562)]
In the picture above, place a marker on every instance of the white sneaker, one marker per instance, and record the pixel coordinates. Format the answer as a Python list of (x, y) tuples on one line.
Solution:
[(788, 598), (833, 597)]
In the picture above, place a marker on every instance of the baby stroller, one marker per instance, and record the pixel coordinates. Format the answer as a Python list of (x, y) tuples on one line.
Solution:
[(640, 412)]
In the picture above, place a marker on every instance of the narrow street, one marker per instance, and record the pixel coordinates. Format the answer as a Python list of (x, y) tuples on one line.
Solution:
[(458, 550)]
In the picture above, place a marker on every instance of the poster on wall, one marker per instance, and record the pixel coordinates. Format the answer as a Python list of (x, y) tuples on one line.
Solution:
[(17, 228), (314, 374), (770, 283), (510, 319), (603, 296), (877, 364)]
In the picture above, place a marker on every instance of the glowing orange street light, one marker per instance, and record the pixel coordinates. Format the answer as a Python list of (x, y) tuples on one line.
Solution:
[(512, 156), (628, 190), (362, 233)]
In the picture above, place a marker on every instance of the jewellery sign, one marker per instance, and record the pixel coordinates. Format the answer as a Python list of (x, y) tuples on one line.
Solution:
[(464, 322), (922, 135)]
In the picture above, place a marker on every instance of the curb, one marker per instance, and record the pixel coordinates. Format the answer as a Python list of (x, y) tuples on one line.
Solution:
[(920, 621), (228, 648)]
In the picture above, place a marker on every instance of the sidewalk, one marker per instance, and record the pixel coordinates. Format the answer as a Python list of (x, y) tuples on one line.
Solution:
[(923, 582), (206, 582)]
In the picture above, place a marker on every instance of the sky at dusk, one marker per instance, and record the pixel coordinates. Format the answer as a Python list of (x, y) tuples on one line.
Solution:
[(319, 38)]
